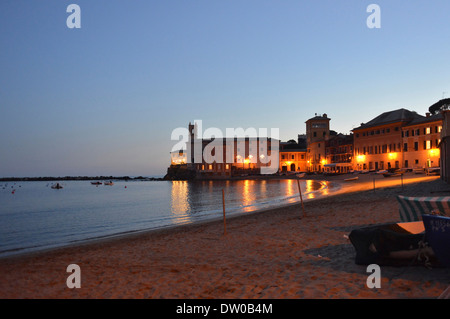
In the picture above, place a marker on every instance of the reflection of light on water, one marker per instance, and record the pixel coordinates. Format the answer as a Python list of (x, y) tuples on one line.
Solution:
[(290, 190), (179, 199), (247, 198), (310, 187)]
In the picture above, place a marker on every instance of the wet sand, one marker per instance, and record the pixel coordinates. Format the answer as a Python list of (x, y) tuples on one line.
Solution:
[(271, 254)]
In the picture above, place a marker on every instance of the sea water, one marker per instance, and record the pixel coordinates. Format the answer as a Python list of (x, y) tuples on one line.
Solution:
[(33, 216)]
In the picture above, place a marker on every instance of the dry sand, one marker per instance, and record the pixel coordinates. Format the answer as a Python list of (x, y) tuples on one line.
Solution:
[(272, 254)]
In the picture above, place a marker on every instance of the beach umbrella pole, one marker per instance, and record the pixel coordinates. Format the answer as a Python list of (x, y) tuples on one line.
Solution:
[(301, 197)]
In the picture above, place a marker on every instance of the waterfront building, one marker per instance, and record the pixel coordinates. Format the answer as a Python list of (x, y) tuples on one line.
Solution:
[(384, 142), (178, 157), (421, 138), (292, 157), (226, 157), (339, 153), (317, 133)]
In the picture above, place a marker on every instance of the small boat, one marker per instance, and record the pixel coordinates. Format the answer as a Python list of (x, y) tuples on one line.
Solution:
[(437, 233), (301, 175), (57, 186), (351, 179), (96, 183), (108, 183)]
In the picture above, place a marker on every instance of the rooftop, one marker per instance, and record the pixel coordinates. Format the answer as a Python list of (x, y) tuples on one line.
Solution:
[(432, 118), (319, 117), (400, 115)]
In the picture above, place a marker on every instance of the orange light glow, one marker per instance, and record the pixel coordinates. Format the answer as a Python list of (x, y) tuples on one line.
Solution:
[(434, 152), (360, 158), (392, 155)]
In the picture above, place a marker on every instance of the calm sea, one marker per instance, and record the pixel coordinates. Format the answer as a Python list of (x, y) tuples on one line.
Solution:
[(33, 216)]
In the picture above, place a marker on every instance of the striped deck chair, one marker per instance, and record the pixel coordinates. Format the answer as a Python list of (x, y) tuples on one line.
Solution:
[(412, 208)]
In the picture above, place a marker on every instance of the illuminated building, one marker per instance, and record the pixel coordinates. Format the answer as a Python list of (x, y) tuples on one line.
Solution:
[(339, 153), (421, 139), (317, 133), (384, 142), (205, 158), (292, 157)]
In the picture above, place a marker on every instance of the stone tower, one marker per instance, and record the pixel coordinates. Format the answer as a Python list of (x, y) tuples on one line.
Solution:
[(317, 133)]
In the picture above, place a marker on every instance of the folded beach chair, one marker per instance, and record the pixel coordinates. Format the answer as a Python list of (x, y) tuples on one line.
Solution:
[(412, 208)]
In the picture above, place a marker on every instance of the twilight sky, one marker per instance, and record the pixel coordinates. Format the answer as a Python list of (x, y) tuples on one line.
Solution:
[(104, 99)]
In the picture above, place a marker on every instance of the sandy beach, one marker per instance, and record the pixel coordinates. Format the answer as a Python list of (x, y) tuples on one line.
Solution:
[(272, 254)]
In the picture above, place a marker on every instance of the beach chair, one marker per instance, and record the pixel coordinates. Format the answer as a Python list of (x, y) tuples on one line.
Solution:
[(412, 208)]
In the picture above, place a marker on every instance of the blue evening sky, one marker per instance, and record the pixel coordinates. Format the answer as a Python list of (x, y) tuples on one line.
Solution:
[(104, 99)]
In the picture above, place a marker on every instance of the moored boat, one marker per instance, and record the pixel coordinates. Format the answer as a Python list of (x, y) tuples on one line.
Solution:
[(96, 183), (57, 186)]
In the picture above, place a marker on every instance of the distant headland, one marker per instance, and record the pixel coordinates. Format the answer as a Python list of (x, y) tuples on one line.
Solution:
[(78, 178)]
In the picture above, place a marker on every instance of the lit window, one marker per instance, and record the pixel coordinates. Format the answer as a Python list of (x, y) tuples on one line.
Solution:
[(428, 145), (428, 130)]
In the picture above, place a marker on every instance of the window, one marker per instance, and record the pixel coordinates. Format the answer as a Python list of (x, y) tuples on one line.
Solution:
[(428, 130), (315, 134), (293, 157), (427, 145), (412, 132), (405, 148), (416, 146), (439, 129), (282, 156), (227, 166), (210, 166), (416, 161)]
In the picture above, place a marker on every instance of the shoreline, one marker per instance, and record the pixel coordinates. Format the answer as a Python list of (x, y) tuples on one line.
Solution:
[(342, 189), (270, 253)]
